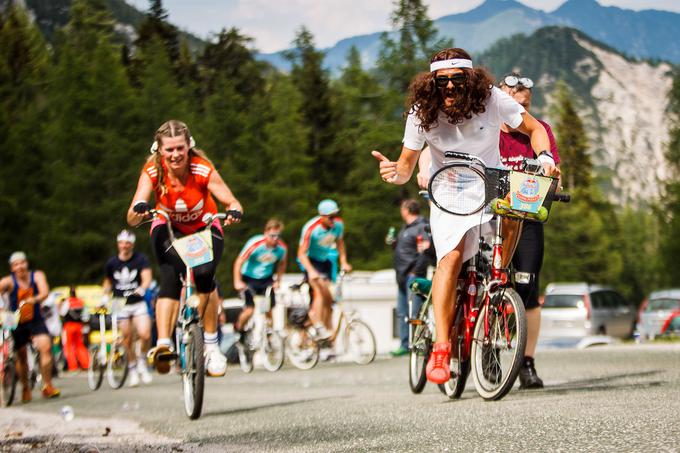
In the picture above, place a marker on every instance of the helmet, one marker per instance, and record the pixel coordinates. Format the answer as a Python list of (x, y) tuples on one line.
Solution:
[(297, 316), (328, 207)]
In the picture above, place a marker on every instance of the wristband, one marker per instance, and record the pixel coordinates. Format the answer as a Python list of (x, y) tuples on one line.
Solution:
[(545, 157)]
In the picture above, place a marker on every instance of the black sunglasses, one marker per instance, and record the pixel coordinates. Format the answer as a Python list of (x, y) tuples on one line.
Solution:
[(456, 80)]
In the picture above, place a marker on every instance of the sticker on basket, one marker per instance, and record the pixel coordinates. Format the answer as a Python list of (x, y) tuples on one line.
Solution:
[(195, 249), (528, 191)]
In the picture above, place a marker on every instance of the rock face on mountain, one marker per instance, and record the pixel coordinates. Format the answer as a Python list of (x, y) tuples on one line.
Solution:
[(622, 101)]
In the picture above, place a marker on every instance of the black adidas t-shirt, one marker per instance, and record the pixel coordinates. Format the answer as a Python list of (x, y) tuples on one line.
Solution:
[(126, 276)]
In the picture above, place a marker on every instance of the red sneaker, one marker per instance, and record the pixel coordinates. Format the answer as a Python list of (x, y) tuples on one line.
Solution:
[(437, 369)]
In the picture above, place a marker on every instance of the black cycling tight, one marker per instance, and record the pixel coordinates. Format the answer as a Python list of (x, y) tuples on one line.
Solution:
[(172, 268)]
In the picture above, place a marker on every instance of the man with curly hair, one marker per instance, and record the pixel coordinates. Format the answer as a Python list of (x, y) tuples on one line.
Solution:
[(455, 107)]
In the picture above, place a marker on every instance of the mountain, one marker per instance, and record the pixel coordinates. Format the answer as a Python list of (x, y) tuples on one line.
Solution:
[(640, 34), (50, 15), (622, 101)]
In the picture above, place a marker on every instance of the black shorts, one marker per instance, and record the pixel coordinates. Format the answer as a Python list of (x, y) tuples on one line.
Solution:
[(529, 258), (172, 268), (257, 286), (25, 332), (325, 268)]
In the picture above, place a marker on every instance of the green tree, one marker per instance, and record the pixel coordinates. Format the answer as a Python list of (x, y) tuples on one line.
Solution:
[(581, 237), (572, 142), (93, 148), (415, 41), (23, 67), (312, 80), (670, 202)]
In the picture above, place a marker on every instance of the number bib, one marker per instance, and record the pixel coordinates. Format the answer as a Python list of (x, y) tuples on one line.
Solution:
[(195, 249)]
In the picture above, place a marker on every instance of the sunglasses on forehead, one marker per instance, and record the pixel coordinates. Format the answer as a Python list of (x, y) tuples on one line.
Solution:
[(456, 80), (513, 81)]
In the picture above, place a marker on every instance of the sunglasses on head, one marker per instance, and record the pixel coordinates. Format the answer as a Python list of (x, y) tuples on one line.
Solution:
[(456, 80), (513, 81)]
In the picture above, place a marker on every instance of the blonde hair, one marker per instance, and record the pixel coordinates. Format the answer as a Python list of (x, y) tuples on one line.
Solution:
[(170, 129), (273, 224)]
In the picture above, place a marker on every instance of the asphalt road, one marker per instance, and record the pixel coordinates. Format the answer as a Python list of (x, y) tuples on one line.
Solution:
[(613, 398)]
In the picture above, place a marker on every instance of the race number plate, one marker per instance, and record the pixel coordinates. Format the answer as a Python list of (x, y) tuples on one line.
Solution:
[(195, 249), (527, 192)]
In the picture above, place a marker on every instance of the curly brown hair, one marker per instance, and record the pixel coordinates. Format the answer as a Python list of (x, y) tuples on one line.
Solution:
[(426, 100)]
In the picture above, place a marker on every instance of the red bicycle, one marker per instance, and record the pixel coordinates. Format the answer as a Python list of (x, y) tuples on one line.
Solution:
[(489, 331)]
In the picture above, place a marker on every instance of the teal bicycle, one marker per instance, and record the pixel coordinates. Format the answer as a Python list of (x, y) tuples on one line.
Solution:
[(195, 250)]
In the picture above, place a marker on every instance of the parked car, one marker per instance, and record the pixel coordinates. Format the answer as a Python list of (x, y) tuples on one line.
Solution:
[(658, 313), (581, 310)]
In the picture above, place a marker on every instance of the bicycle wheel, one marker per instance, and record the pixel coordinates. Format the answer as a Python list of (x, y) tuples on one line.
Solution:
[(301, 349), (360, 342), (496, 358), (421, 347), (8, 378), (273, 350), (193, 372), (117, 367), (95, 371)]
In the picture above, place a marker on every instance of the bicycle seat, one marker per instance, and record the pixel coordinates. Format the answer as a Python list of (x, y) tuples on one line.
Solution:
[(421, 286)]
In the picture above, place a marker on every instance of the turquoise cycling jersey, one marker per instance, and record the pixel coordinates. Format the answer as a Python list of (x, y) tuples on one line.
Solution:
[(260, 260), (319, 239)]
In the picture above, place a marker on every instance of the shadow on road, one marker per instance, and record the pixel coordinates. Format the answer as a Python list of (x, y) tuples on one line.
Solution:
[(242, 410), (602, 383)]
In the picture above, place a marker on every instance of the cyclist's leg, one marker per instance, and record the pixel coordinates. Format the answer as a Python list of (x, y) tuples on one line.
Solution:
[(248, 309), (142, 325), (444, 303), (204, 277), (512, 232), (125, 328), (529, 258), (444, 291), (70, 346), (43, 344), (171, 268)]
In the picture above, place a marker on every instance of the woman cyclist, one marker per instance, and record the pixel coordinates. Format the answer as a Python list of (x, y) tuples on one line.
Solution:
[(182, 180), (455, 107)]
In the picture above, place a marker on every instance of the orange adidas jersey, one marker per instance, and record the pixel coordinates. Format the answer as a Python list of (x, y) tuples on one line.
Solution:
[(186, 208)]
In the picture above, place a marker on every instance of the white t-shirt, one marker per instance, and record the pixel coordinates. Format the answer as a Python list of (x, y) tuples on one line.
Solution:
[(478, 136)]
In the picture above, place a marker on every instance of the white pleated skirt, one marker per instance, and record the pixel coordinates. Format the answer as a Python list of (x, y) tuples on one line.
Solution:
[(449, 230)]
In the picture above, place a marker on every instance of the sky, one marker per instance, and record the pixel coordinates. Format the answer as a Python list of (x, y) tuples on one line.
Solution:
[(273, 23)]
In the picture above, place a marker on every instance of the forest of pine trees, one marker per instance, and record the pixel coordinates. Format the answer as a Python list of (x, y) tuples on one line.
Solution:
[(78, 118)]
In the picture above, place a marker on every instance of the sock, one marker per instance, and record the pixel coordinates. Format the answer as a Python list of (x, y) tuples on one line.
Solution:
[(164, 342), (210, 338)]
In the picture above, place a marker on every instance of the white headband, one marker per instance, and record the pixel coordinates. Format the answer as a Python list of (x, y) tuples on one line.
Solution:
[(453, 63)]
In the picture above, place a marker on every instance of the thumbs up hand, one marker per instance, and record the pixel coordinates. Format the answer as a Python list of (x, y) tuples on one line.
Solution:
[(388, 169)]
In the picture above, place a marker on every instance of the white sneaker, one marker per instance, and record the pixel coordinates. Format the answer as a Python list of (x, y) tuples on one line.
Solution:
[(321, 332), (215, 362), (133, 377), (144, 372)]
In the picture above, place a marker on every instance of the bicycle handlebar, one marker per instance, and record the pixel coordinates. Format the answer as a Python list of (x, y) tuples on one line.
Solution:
[(142, 207), (562, 197)]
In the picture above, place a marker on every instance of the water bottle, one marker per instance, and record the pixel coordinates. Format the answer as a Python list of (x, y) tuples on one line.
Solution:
[(391, 236)]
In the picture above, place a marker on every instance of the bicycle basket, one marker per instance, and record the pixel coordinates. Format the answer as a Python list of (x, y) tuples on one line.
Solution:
[(497, 183), (458, 189)]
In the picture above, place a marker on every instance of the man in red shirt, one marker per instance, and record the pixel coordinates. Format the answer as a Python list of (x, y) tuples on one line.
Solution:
[(528, 257)]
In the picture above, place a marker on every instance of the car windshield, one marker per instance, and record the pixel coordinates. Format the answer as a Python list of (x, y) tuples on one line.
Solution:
[(563, 301), (663, 304)]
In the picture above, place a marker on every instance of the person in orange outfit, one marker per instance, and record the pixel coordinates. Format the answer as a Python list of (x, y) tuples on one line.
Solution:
[(71, 311)]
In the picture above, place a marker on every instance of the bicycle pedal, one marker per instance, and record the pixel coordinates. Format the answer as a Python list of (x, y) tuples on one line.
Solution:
[(167, 357)]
